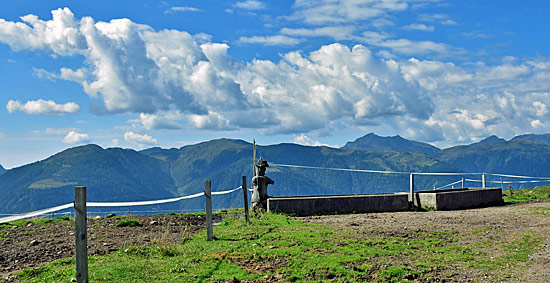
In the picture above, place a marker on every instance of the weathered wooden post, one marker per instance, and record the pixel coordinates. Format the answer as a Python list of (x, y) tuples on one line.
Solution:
[(245, 194), (254, 159), (483, 182), (81, 234), (411, 203), (208, 198), (463, 183)]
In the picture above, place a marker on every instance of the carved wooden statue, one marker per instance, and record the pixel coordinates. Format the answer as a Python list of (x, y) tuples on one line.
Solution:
[(259, 186)]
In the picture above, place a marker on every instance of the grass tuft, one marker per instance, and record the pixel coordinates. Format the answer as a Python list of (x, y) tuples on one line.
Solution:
[(535, 194), (39, 221), (128, 223)]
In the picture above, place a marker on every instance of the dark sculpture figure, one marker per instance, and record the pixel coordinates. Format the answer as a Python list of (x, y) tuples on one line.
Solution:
[(259, 187)]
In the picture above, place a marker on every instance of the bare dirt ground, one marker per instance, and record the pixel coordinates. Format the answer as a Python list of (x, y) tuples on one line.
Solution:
[(496, 225), (35, 245), (499, 225)]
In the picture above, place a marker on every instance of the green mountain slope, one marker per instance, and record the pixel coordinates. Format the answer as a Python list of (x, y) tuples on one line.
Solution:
[(225, 161), (109, 174), (491, 139), (516, 157), (391, 144), (544, 139), (116, 174), (315, 181)]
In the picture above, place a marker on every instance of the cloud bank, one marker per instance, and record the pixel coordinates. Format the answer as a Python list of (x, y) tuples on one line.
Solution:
[(41, 106), (132, 68), (139, 139)]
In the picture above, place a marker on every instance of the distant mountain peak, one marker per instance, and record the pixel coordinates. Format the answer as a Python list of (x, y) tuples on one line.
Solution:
[(491, 139), (396, 143), (2, 169)]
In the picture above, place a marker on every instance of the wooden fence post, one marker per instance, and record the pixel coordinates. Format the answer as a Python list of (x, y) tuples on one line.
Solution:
[(463, 183), (254, 159), (81, 234), (208, 198), (245, 194), (411, 204)]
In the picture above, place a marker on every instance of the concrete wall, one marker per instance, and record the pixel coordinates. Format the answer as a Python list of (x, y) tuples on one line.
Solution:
[(440, 200), (309, 205), (458, 198)]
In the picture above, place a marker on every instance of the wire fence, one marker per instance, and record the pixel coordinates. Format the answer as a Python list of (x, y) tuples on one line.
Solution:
[(60, 208), (486, 178), (66, 206)]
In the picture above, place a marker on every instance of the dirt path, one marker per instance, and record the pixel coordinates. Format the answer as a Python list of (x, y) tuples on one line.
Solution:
[(34, 245), (501, 225)]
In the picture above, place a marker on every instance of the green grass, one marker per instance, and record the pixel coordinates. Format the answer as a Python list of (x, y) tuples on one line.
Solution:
[(128, 223), (276, 246), (541, 211), (510, 255), (536, 194), (40, 221)]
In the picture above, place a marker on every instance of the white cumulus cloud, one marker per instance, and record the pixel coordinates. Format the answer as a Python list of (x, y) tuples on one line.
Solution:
[(74, 137), (133, 68), (537, 124), (336, 32), (330, 12), (182, 9), (443, 19), (421, 27), (154, 121), (41, 106), (305, 140), (139, 139), (250, 5), (271, 40)]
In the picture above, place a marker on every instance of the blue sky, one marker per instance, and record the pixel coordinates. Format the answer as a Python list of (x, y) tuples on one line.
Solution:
[(138, 74)]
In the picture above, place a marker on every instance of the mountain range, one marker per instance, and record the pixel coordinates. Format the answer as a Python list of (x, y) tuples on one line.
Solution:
[(545, 139), (116, 174), (391, 144), (2, 170)]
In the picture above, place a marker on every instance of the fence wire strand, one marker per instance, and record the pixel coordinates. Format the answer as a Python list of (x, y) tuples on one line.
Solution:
[(106, 204), (153, 202)]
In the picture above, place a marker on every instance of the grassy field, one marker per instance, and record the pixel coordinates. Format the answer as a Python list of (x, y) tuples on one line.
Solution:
[(535, 194), (276, 247)]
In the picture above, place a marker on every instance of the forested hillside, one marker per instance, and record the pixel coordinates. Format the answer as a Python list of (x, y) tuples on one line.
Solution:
[(116, 174)]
